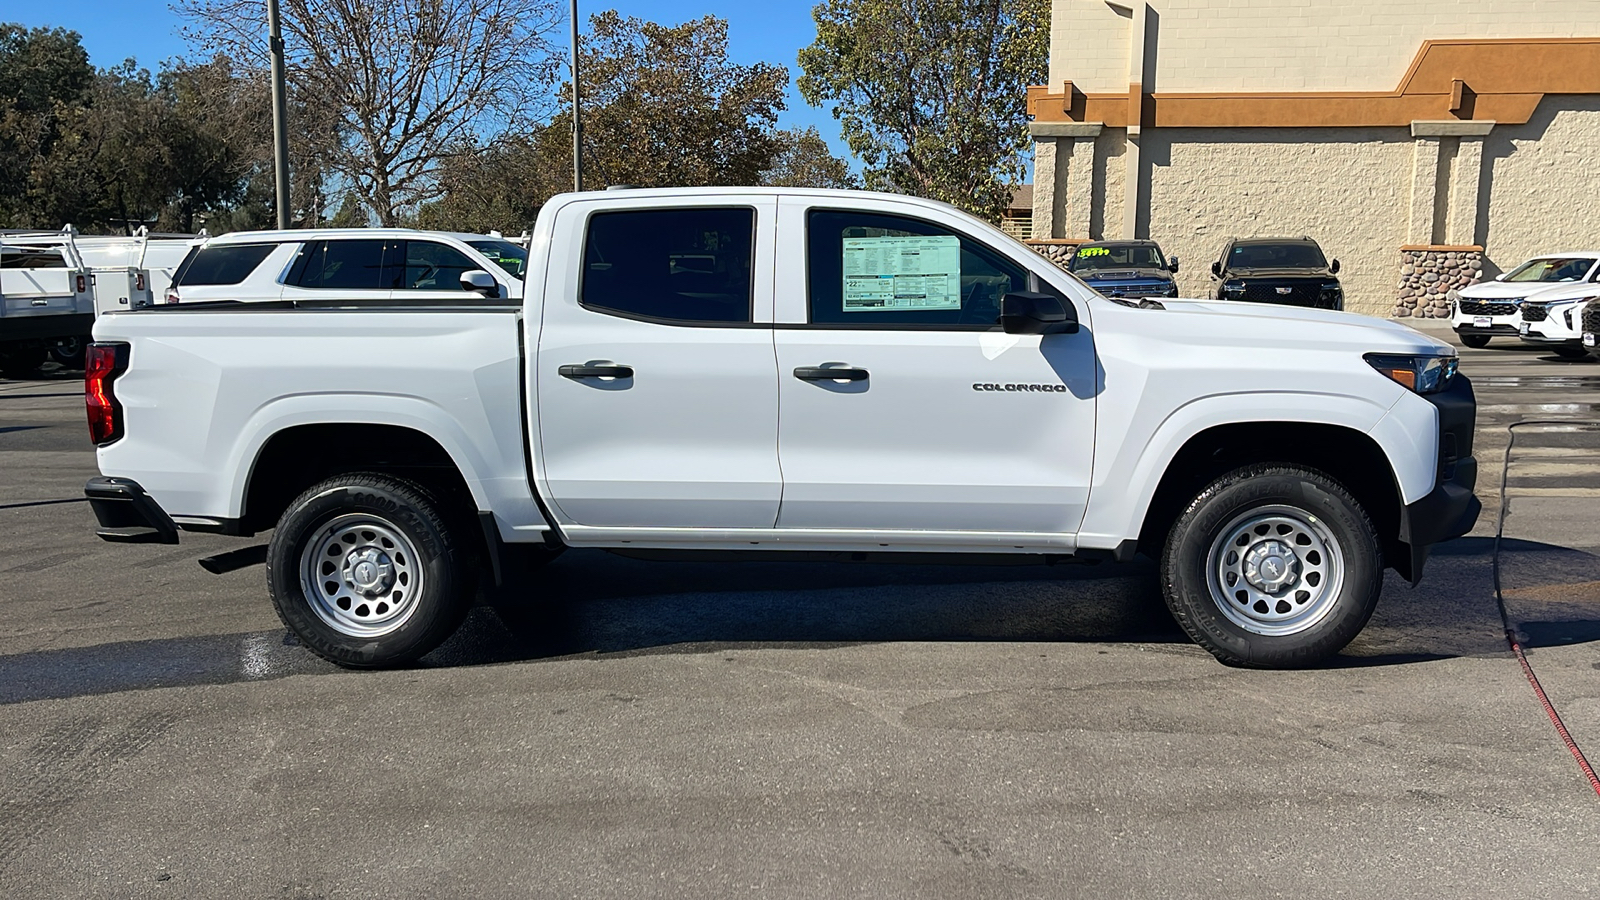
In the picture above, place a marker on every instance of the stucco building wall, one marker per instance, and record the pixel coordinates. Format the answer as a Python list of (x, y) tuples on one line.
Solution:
[(1288, 45), (1422, 144), (1208, 186), (1541, 182)]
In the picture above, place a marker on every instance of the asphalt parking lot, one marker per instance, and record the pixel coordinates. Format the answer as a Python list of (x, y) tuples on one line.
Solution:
[(807, 730)]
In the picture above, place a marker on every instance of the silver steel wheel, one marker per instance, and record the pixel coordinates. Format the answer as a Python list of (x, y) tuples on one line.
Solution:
[(361, 575), (1275, 570)]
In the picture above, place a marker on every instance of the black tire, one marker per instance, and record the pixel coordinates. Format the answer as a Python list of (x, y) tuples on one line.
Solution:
[(1242, 625), (1475, 341), (369, 618), (1572, 351), (22, 362), (70, 352)]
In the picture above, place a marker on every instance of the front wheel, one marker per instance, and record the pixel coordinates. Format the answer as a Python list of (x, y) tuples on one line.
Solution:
[(365, 570), (1272, 567), (1475, 341)]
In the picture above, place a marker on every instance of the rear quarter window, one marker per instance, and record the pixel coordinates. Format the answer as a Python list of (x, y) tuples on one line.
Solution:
[(228, 264)]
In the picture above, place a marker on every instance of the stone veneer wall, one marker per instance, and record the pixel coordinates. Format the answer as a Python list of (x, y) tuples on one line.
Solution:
[(1060, 254), (1427, 276)]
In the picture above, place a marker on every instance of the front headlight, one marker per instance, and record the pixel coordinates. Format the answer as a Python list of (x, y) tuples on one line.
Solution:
[(1233, 290), (1172, 290), (1423, 374)]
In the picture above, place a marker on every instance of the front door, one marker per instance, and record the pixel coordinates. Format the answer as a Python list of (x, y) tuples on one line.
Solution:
[(656, 379), (938, 420)]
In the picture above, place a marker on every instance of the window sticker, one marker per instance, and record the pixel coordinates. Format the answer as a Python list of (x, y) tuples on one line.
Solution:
[(1095, 251), (885, 274)]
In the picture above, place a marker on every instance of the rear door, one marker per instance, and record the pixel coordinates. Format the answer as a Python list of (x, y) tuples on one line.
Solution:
[(655, 376), (939, 421)]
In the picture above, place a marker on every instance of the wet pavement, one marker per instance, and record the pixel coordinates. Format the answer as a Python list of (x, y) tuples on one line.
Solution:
[(631, 728)]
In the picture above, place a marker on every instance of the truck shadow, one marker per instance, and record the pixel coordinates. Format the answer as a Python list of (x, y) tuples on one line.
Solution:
[(589, 602)]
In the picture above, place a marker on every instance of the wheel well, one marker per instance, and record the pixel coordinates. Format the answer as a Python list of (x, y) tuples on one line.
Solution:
[(296, 458), (1347, 456)]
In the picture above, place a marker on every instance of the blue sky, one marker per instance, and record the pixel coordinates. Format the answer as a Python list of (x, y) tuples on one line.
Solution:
[(767, 31)]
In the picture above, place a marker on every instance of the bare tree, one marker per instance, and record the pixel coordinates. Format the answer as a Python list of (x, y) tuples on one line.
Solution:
[(405, 81)]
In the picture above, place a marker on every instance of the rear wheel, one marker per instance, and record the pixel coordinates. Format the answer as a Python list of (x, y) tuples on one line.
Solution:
[(366, 571), (1475, 341), (69, 351), (1272, 567)]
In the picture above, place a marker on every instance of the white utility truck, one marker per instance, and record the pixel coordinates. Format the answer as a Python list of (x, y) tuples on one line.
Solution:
[(54, 283), (761, 369)]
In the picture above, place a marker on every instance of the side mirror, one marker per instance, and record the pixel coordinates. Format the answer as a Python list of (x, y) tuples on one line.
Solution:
[(1025, 312), (1216, 269), (480, 281), (1172, 264), (1334, 267)]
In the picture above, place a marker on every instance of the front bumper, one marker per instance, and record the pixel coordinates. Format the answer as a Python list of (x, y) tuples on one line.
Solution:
[(1450, 509), (127, 514), (1509, 329)]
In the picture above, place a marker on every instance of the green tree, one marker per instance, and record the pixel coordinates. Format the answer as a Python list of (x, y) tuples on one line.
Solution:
[(662, 107), (804, 160), (45, 80), (931, 94)]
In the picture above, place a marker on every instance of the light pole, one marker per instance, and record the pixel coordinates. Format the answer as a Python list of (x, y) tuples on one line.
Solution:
[(280, 112), (577, 129)]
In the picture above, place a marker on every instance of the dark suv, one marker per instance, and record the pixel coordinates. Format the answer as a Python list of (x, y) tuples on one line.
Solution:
[(1125, 269), (1290, 271)]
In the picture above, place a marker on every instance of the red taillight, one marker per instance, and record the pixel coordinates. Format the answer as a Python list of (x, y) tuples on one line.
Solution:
[(171, 295), (138, 281), (83, 284), (101, 365)]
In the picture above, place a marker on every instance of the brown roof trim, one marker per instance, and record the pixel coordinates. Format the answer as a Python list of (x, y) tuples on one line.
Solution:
[(1444, 248), (1500, 80)]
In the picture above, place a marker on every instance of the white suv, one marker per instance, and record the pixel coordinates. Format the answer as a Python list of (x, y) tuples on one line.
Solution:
[(349, 264), (1495, 307)]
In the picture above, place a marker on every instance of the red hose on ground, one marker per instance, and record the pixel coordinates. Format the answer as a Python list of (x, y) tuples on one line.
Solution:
[(1505, 617)]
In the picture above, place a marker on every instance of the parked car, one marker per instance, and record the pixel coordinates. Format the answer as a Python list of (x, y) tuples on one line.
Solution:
[(776, 369), (1291, 271), (1125, 268), (1494, 308), (349, 264)]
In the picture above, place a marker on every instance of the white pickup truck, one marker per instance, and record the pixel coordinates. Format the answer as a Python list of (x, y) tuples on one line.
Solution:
[(754, 369)]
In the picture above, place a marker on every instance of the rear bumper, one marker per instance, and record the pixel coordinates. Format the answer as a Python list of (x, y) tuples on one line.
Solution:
[(127, 514), (1451, 508)]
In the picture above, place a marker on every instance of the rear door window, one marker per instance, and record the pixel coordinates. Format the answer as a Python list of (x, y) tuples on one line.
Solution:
[(342, 265), (227, 264), (678, 266)]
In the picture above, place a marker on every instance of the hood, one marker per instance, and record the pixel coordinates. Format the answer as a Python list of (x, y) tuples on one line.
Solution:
[(1532, 290), (1278, 273), (1150, 273), (1318, 327)]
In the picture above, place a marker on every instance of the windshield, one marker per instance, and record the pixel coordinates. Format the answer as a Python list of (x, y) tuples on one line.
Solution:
[(1276, 256), (1570, 268), (504, 254), (1114, 256)]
